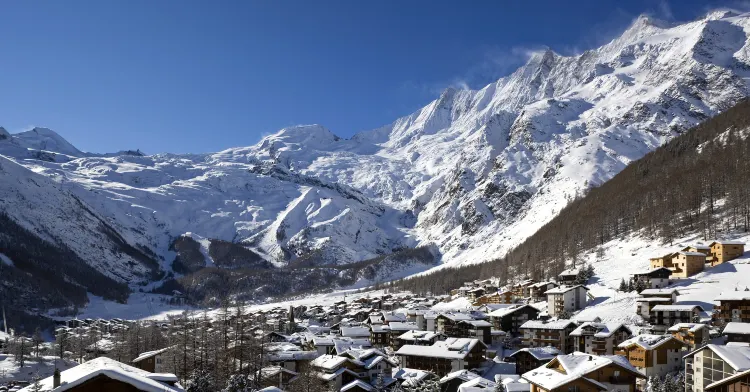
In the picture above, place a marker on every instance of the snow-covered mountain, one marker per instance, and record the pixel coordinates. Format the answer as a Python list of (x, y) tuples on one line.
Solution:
[(473, 172)]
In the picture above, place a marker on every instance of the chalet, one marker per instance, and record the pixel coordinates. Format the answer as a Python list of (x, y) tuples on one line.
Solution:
[(652, 297), (277, 376), (511, 318), (692, 334), (664, 316), (475, 293), (712, 365), (447, 323), (371, 363), (737, 332), (153, 361), (662, 261), (530, 358), (537, 333), (521, 290), (499, 297), (452, 381), (584, 372), (734, 306), (723, 251), (705, 249), (336, 371), (565, 299), (380, 335), (398, 328), (443, 357), (688, 264), (355, 332), (599, 338), (105, 374), (568, 276), (537, 291), (654, 355), (479, 329), (652, 279)]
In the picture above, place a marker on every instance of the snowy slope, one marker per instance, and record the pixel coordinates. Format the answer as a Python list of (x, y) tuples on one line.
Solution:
[(473, 172)]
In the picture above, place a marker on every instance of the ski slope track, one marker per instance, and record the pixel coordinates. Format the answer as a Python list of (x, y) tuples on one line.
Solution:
[(473, 173)]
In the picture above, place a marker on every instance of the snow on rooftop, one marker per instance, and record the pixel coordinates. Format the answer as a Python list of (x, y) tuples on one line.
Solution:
[(737, 328), (540, 353), (692, 327), (603, 330), (575, 365), (647, 341), (734, 296), (110, 368), (149, 354), (544, 324), (676, 308)]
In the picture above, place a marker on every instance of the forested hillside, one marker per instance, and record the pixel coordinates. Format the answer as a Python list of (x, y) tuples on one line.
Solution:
[(695, 184)]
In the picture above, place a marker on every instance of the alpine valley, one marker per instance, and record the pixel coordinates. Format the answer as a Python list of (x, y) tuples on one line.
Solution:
[(462, 180)]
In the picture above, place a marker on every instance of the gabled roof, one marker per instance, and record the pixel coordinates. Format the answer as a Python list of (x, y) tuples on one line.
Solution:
[(676, 308), (727, 243), (149, 354), (359, 384), (546, 324), (603, 330), (502, 312), (576, 366), (102, 366), (540, 353), (738, 357), (648, 342), (734, 296), (652, 292), (692, 327), (564, 289), (737, 328)]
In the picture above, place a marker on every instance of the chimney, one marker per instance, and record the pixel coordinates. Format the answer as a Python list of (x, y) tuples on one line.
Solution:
[(590, 357), (56, 378)]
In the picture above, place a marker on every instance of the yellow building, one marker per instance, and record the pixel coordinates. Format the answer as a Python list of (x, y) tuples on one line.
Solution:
[(662, 261), (723, 251), (687, 264)]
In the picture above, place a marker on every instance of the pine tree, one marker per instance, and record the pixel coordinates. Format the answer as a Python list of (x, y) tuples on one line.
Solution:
[(37, 339), (623, 286), (200, 381), (36, 386), (237, 383)]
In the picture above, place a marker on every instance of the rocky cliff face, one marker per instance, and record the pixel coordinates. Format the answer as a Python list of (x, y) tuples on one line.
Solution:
[(473, 172)]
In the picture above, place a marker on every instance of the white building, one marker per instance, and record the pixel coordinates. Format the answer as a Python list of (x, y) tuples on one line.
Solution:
[(566, 299)]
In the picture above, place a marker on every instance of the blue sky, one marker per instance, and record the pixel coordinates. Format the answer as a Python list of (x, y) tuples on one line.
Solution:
[(200, 76)]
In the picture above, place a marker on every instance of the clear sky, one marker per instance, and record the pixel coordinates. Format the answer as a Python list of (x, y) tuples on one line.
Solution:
[(200, 76)]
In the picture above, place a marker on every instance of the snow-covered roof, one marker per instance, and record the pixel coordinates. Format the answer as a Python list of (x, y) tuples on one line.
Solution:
[(477, 384), (464, 375), (570, 272), (651, 271), (109, 368), (478, 323), (705, 247), (734, 296), (329, 362), (418, 335), (355, 331), (603, 330), (564, 289), (149, 354), (379, 328), (402, 326), (359, 384), (451, 348), (737, 328), (540, 353), (647, 341), (692, 327), (547, 324), (728, 243), (502, 312), (652, 292), (738, 357), (699, 254), (676, 308), (576, 365)]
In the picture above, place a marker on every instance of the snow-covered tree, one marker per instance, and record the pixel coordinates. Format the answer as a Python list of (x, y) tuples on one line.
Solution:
[(237, 383), (200, 381), (623, 286)]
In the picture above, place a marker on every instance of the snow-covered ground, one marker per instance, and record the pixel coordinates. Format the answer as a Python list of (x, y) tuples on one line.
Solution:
[(42, 367), (623, 258)]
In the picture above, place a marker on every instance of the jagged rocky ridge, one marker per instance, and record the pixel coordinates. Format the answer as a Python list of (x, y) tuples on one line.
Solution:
[(472, 173)]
